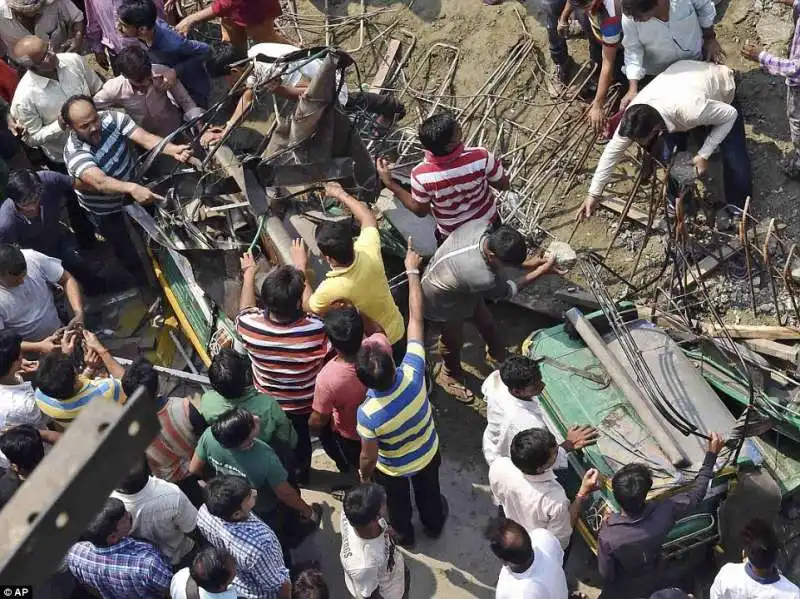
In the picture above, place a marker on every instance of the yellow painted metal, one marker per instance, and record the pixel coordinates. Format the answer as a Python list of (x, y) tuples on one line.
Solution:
[(185, 326)]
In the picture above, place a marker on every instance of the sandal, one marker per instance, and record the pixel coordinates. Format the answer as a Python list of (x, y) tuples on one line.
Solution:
[(456, 387)]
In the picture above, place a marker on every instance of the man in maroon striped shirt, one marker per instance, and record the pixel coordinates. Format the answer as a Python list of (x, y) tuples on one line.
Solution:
[(287, 349), (454, 183)]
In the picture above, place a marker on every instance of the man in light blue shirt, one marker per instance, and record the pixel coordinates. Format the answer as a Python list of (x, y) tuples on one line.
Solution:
[(659, 33)]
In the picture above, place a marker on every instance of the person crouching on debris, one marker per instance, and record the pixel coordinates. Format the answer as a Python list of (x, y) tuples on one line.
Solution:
[(454, 183), (465, 271), (512, 406), (229, 61), (659, 120), (103, 167), (630, 542), (790, 69)]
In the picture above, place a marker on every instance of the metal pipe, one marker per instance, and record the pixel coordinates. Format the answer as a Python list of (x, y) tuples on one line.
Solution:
[(619, 374), (190, 377)]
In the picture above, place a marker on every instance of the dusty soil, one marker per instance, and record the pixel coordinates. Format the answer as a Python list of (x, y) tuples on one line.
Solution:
[(459, 565)]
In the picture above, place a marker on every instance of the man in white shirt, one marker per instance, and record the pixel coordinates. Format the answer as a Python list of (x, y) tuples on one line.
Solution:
[(210, 575), (532, 562), (51, 79), (373, 566), (527, 489), (659, 33), (758, 576), (512, 406), (162, 514), (659, 119), (26, 302)]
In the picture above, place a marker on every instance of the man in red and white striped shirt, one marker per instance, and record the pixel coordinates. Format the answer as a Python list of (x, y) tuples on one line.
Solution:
[(287, 347), (454, 183)]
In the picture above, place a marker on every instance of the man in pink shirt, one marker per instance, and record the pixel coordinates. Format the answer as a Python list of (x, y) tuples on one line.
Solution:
[(142, 91), (338, 392)]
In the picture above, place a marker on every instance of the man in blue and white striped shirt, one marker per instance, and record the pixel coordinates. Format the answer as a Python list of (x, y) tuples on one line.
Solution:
[(101, 162)]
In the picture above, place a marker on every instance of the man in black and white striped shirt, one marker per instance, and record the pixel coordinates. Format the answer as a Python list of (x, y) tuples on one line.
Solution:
[(101, 163)]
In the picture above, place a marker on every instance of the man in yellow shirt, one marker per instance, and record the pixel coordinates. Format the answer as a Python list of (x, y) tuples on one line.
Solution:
[(357, 275)]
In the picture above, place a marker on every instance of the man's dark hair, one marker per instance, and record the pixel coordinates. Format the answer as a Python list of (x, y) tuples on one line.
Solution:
[(224, 495), (24, 187), (310, 584), (10, 350), (67, 106), (335, 240), (437, 131), (223, 55), (12, 260), (211, 568), (673, 593), (761, 544), (229, 373), (509, 541), (140, 373), (23, 447), (105, 522), (375, 367), (518, 372), (138, 13), (508, 245), (639, 121), (134, 63), (362, 503), (531, 449), (637, 8), (56, 375), (233, 427), (345, 330), (136, 479), (631, 484), (282, 291)]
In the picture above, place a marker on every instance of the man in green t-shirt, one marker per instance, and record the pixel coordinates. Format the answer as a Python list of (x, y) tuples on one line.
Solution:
[(230, 377), (231, 446)]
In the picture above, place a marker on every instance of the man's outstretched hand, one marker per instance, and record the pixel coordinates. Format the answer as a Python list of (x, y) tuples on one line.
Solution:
[(587, 208)]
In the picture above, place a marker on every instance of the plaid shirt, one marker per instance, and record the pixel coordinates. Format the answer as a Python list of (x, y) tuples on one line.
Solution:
[(260, 570), (128, 570), (786, 67)]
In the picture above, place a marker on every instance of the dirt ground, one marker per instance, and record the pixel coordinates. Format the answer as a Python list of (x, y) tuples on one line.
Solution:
[(459, 564)]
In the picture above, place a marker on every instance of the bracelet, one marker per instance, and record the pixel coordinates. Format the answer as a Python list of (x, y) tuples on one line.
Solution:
[(413, 271)]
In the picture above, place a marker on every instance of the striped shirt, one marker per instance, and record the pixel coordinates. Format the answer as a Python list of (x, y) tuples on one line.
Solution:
[(401, 419), (113, 156), (457, 186), (786, 67), (286, 357), (64, 411), (260, 570), (129, 569)]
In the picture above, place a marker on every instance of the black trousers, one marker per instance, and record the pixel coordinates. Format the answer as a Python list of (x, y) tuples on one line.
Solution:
[(427, 496), (113, 228), (302, 452), (351, 450)]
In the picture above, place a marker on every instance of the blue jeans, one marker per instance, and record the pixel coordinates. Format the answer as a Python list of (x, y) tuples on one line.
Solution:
[(736, 174), (558, 45)]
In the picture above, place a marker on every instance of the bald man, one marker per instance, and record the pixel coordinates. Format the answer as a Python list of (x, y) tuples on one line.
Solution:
[(50, 80), (532, 561), (101, 163)]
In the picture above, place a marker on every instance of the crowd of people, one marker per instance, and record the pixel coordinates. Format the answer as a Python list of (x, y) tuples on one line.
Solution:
[(215, 507)]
